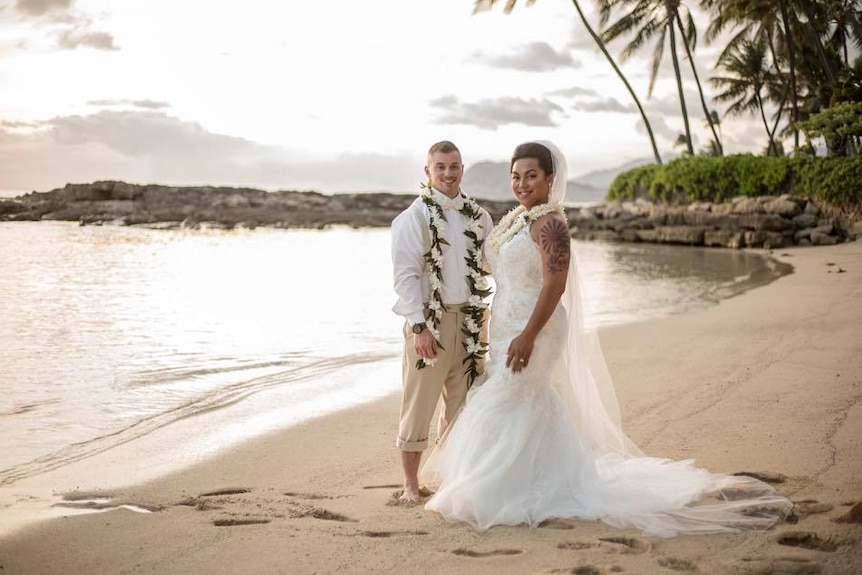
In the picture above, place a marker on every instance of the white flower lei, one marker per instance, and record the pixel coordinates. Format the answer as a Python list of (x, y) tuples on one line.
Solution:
[(517, 218), (474, 309)]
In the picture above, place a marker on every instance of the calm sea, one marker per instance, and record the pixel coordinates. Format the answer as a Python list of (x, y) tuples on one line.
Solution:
[(113, 336)]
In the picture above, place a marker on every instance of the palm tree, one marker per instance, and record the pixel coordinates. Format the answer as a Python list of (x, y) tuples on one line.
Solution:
[(689, 41), (481, 5), (791, 56), (758, 22), (645, 19), (747, 75), (844, 19)]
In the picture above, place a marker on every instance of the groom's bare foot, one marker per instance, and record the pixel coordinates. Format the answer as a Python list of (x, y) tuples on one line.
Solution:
[(410, 494)]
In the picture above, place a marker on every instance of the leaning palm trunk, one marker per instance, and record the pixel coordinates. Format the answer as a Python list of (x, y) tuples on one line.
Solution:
[(720, 147), (772, 145), (510, 5), (671, 29), (791, 57), (622, 77)]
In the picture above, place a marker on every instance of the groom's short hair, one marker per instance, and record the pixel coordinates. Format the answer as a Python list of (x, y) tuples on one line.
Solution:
[(444, 146)]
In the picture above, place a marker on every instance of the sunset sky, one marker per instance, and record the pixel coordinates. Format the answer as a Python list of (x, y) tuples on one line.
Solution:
[(334, 95)]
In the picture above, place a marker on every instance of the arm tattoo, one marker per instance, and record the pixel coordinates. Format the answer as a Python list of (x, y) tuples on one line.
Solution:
[(557, 244)]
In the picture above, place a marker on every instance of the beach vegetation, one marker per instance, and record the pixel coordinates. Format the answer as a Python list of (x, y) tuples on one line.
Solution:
[(836, 180)]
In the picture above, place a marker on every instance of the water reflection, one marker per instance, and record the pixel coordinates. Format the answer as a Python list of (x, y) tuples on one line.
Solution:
[(109, 333)]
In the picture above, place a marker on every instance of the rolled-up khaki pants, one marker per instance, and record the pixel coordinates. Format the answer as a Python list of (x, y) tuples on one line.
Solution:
[(423, 387)]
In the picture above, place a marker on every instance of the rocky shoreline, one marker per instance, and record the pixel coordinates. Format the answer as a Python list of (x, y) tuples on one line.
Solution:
[(174, 207), (763, 222)]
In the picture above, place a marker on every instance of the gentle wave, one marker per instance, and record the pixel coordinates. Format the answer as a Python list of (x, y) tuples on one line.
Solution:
[(216, 399)]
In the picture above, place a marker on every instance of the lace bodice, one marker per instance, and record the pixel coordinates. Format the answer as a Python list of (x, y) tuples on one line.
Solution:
[(517, 271)]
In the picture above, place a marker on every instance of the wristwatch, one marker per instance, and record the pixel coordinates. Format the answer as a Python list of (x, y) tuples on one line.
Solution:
[(418, 327)]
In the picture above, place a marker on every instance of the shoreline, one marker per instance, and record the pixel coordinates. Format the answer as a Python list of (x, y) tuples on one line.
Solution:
[(766, 381)]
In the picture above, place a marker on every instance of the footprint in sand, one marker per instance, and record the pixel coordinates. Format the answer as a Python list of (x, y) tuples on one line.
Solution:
[(385, 534), (811, 507), (312, 496), (560, 524), (853, 515), (226, 491), (806, 540), (201, 503), (675, 564), (320, 513), (576, 545), (765, 476), (581, 570), (780, 566), (628, 544), (482, 554), (237, 522)]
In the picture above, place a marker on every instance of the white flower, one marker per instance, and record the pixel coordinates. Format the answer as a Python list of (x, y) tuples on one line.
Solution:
[(429, 361), (437, 225)]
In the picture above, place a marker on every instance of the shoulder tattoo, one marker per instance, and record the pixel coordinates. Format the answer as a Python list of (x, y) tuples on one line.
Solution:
[(556, 243)]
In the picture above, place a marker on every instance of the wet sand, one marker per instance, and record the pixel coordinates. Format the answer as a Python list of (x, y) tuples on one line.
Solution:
[(767, 382)]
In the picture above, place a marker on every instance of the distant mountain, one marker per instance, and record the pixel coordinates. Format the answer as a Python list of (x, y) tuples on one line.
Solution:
[(490, 181)]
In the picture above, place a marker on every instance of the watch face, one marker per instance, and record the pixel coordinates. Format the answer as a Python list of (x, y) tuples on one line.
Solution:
[(418, 327)]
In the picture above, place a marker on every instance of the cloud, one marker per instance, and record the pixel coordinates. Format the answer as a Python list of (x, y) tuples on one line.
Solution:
[(490, 114), (74, 38), (151, 146), (42, 7), (534, 57), (604, 105), (574, 91), (59, 20), (660, 128), (146, 104)]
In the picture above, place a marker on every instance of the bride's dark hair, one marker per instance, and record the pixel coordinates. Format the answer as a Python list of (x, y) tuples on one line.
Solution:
[(536, 151)]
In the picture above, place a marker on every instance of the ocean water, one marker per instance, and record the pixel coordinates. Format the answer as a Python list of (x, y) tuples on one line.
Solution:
[(112, 337)]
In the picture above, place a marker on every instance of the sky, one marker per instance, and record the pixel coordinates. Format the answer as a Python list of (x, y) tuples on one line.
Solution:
[(333, 96)]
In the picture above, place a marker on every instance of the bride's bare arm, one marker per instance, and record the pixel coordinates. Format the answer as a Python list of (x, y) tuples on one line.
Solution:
[(551, 234)]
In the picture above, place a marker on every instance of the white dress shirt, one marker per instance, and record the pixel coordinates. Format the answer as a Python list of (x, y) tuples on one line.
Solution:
[(410, 242)]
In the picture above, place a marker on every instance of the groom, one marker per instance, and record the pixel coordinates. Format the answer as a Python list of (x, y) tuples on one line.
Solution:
[(435, 366)]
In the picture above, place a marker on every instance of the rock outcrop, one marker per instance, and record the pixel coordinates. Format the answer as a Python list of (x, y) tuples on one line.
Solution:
[(120, 203), (763, 222)]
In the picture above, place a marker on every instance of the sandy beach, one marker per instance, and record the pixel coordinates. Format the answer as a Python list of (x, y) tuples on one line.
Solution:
[(767, 382)]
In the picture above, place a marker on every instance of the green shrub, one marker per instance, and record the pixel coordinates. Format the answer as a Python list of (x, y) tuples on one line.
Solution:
[(836, 180)]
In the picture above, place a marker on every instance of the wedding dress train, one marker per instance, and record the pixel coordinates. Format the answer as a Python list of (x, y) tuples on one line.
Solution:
[(526, 446)]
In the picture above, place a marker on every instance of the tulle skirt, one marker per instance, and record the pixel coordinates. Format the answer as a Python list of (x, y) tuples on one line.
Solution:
[(513, 457)]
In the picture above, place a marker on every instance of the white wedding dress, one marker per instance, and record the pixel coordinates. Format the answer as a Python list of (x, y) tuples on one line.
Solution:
[(516, 453)]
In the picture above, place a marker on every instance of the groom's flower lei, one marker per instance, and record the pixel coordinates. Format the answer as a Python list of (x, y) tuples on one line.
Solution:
[(474, 309)]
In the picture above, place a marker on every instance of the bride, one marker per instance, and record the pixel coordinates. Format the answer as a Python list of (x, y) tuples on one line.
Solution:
[(541, 437)]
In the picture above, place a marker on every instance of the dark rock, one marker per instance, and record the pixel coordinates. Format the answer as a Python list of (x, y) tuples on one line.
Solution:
[(805, 220), (724, 239), (782, 207), (688, 235), (821, 239), (811, 208)]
